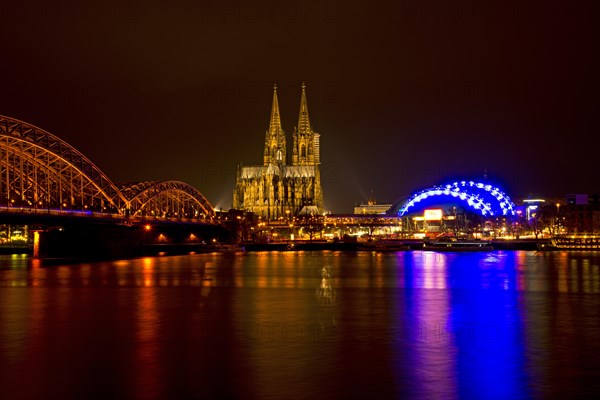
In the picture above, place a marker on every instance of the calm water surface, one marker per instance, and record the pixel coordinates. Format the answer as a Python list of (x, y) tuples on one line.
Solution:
[(303, 325)]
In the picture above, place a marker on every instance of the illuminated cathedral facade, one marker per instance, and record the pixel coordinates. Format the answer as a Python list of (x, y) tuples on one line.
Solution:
[(279, 188)]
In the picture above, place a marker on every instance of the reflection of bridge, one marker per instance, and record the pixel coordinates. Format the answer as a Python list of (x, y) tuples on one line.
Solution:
[(47, 182), (41, 174)]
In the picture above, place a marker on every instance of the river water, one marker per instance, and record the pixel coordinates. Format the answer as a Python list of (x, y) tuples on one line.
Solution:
[(303, 325)]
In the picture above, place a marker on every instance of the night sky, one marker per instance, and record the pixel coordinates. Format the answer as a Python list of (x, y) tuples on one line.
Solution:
[(405, 94)]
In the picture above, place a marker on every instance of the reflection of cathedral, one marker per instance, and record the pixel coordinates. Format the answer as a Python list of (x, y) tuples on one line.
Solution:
[(276, 189)]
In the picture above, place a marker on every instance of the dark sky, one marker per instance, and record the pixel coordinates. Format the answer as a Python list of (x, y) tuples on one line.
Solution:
[(405, 94)]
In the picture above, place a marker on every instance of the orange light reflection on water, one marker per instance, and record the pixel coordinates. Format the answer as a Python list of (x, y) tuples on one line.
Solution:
[(147, 369)]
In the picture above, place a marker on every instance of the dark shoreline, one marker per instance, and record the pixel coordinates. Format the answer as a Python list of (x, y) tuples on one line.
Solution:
[(316, 245), (8, 250)]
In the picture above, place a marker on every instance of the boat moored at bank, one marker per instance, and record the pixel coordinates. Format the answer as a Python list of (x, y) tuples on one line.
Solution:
[(458, 245), (572, 242)]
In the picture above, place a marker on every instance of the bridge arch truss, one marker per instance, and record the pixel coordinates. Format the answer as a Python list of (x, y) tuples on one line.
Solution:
[(171, 199), (38, 170)]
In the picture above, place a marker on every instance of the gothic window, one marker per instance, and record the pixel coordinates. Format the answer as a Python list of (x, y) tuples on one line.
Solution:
[(303, 151), (279, 155)]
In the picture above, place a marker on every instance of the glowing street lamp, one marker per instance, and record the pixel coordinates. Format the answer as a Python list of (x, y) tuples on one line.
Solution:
[(558, 217)]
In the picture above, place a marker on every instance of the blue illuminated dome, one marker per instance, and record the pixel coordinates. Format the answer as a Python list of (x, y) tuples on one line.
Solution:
[(484, 199)]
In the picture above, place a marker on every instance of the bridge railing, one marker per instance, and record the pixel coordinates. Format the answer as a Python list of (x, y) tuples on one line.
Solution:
[(97, 215)]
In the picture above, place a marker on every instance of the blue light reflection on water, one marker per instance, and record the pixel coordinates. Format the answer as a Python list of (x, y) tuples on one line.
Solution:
[(486, 321), (460, 327), (422, 340)]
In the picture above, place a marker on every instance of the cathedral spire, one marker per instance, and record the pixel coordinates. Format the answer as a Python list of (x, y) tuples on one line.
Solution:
[(303, 121), (275, 124), (275, 138), (306, 141)]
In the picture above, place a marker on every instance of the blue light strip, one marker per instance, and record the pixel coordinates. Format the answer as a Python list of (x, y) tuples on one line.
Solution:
[(485, 199)]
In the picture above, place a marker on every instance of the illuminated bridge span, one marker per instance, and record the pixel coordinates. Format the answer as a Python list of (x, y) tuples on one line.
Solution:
[(482, 198), (41, 173), (166, 199)]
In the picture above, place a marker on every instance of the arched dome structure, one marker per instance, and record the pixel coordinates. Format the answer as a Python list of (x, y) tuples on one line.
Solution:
[(482, 198)]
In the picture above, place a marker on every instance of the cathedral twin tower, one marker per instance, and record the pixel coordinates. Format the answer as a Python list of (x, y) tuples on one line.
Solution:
[(277, 189)]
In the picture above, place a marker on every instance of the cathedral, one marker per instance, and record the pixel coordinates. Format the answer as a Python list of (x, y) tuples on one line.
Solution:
[(277, 188)]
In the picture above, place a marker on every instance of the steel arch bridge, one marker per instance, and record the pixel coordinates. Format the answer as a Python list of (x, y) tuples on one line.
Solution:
[(41, 172), (485, 199), (166, 199)]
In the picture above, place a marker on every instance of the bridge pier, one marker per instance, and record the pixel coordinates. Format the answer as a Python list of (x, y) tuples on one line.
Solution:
[(89, 242)]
